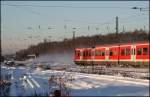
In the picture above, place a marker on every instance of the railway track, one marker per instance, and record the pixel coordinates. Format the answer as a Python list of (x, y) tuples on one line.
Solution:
[(125, 72), (34, 85)]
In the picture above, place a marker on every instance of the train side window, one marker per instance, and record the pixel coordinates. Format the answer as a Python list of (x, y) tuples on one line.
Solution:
[(122, 52), (97, 53), (103, 53), (89, 53), (127, 51), (92, 53), (83, 53), (110, 53), (139, 51), (145, 51), (78, 53), (115, 53)]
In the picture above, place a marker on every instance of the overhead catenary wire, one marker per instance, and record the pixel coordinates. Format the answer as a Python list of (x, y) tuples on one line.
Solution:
[(17, 5), (112, 20), (29, 5), (25, 8), (87, 22)]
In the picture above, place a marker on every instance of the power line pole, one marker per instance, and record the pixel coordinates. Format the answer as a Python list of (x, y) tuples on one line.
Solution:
[(73, 38), (65, 27), (144, 28), (73, 33), (123, 29), (116, 25), (108, 29), (117, 36)]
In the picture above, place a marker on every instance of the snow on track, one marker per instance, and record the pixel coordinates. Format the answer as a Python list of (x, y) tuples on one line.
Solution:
[(95, 85), (100, 77), (116, 78), (82, 85)]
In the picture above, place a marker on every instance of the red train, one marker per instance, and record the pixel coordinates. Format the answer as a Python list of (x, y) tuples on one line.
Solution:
[(125, 54)]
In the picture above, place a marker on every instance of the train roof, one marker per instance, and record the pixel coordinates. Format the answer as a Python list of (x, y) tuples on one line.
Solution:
[(115, 44)]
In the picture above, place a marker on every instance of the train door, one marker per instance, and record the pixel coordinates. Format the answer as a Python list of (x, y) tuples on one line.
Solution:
[(142, 52), (100, 55), (125, 55), (87, 55), (77, 55), (113, 55)]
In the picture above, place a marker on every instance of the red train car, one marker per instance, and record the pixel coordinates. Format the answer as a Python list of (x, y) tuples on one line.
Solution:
[(78, 55), (83, 56), (100, 55), (129, 54), (141, 53)]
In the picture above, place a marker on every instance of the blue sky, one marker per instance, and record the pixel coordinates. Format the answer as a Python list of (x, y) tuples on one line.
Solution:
[(15, 20)]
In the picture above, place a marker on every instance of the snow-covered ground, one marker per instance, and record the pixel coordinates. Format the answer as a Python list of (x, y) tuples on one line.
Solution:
[(27, 82)]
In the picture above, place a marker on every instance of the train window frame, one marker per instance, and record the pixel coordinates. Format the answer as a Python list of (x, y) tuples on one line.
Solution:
[(102, 53), (85, 53), (89, 53), (110, 53), (127, 52), (81, 53), (146, 51), (123, 52), (139, 53), (115, 52), (97, 53), (78, 53), (133, 51), (93, 53)]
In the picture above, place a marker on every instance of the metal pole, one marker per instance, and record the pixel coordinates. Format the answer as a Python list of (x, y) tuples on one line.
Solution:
[(92, 54), (118, 39), (123, 29), (116, 25), (73, 37)]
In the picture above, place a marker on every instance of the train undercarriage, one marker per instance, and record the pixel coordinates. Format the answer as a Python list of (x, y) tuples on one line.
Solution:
[(124, 69), (110, 64)]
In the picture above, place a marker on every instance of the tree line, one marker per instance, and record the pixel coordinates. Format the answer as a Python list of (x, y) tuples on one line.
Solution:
[(68, 45)]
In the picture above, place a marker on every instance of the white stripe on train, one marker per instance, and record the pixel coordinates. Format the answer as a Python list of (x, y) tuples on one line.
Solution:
[(145, 60)]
